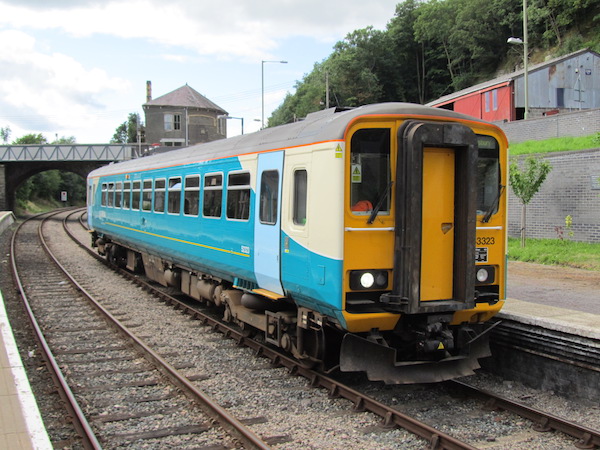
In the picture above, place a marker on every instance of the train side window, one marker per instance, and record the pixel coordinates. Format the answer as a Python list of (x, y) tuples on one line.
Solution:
[(370, 173), (118, 194), (159, 195), (191, 195), (300, 196), (238, 196), (213, 195), (269, 194), (147, 195), (126, 194), (174, 195), (103, 200), (111, 194), (135, 195), (488, 175)]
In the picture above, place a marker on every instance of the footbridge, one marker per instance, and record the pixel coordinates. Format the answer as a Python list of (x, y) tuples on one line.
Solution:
[(19, 162)]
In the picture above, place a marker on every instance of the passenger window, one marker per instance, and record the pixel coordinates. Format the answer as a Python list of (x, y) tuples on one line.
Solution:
[(147, 196), (370, 174), (103, 200), (269, 193), (300, 196), (118, 194), (159, 195), (191, 195), (238, 196), (126, 195), (174, 195), (135, 195), (111, 194), (213, 195)]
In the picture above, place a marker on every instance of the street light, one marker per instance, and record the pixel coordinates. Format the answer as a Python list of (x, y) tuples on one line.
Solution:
[(230, 117), (263, 87), (523, 42)]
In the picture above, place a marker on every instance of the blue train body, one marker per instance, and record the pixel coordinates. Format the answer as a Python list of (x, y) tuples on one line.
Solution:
[(330, 227)]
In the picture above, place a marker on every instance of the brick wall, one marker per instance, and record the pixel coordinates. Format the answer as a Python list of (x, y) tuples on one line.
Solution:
[(579, 123), (571, 188)]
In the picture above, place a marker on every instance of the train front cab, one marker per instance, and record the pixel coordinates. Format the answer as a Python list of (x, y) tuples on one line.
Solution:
[(423, 203)]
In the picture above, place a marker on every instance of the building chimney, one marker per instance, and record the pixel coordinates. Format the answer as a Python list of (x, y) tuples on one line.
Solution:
[(148, 91)]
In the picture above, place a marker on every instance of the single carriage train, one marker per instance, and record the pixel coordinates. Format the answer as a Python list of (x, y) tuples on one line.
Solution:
[(370, 239)]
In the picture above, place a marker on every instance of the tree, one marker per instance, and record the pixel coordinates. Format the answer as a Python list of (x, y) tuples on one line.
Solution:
[(5, 134), (31, 139), (526, 183), (127, 132)]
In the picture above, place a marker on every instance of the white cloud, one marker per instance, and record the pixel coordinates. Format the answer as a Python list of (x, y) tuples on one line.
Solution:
[(231, 29), (48, 91)]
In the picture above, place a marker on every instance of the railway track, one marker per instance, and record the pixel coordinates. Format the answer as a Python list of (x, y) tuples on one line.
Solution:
[(391, 416), (119, 392)]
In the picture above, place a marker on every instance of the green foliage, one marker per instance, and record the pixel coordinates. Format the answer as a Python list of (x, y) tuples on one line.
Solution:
[(5, 134), (555, 145), (558, 252), (127, 132), (527, 182), (435, 47), (31, 139)]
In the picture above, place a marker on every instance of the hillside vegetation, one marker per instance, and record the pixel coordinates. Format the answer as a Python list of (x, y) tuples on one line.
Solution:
[(432, 48)]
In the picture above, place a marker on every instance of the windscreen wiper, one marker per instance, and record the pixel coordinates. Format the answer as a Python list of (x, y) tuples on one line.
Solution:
[(379, 203), (490, 211)]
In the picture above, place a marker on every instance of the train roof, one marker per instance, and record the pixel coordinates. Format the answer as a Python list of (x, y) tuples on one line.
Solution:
[(326, 125)]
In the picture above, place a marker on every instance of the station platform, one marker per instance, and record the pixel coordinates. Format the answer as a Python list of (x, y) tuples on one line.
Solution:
[(21, 425)]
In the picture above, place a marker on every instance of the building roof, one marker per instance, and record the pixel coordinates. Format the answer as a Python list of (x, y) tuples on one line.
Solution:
[(185, 96), (506, 78)]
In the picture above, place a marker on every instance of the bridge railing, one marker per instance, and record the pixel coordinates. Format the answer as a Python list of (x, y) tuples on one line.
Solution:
[(75, 152)]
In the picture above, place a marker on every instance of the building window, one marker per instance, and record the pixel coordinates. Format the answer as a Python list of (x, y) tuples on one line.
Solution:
[(495, 99), (238, 196), (487, 101), (172, 122), (174, 195), (159, 195), (213, 195), (300, 196), (191, 195)]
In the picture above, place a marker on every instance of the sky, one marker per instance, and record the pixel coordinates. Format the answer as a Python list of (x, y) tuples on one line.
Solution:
[(79, 67)]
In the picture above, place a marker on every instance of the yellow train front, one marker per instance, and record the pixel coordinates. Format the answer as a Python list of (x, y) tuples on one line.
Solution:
[(424, 245), (370, 239)]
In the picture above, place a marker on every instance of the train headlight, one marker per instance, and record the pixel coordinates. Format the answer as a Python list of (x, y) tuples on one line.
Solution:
[(361, 280), (485, 274), (367, 280)]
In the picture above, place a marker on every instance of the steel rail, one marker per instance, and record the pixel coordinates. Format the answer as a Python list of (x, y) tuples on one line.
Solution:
[(362, 402), (588, 438), (77, 416), (212, 408)]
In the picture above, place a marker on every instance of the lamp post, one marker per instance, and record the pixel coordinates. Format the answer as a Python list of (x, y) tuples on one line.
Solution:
[(263, 87), (231, 117), (514, 40)]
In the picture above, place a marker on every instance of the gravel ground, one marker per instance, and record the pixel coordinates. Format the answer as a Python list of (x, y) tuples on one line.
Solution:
[(290, 414)]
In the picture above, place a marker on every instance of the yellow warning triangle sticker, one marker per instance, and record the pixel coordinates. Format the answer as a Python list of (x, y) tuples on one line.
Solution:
[(441, 346)]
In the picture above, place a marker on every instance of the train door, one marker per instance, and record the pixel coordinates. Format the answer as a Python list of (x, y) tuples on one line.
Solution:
[(436, 214), (267, 220)]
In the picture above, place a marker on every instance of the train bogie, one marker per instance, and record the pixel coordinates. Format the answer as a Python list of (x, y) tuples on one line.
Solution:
[(371, 239)]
